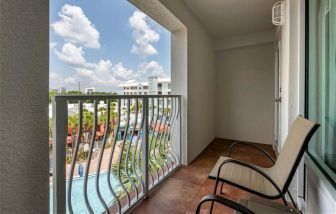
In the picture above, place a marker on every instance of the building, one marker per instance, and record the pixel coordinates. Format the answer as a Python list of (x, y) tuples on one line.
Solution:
[(230, 66), (61, 90), (154, 86), (90, 90)]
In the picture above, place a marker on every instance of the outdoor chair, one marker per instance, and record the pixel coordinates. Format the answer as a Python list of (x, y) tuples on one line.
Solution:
[(273, 182), (248, 206)]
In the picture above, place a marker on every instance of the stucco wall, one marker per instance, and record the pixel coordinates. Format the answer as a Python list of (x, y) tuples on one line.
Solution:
[(201, 79), (24, 48), (245, 94)]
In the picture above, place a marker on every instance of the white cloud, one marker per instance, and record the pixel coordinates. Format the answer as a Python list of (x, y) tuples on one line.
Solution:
[(143, 35), (151, 68), (75, 27), (52, 45), (72, 55)]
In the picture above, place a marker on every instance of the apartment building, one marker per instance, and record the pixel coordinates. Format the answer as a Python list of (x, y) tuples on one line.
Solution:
[(154, 86)]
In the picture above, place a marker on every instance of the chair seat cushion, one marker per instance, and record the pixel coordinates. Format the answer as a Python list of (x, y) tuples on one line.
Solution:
[(245, 177)]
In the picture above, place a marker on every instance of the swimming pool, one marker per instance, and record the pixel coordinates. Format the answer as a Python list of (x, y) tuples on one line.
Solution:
[(78, 203)]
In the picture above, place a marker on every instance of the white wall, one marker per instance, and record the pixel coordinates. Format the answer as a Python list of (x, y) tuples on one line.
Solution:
[(24, 48), (245, 93), (200, 81)]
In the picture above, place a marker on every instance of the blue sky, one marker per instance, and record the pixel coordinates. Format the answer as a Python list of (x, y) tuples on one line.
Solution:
[(103, 43)]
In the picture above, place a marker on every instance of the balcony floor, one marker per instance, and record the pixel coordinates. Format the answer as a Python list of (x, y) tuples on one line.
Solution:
[(181, 192)]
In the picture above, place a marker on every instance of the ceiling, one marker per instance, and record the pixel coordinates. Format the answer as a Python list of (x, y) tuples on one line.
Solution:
[(226, 18)]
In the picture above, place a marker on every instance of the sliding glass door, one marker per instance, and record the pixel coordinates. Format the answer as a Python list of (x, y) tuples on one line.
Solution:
[(321, 74)]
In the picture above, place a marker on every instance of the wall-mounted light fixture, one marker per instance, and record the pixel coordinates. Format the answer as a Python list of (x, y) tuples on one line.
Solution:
[(278, 13)]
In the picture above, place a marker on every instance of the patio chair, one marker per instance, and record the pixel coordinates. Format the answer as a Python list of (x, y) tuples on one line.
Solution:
[(248, 206), (273, 182)]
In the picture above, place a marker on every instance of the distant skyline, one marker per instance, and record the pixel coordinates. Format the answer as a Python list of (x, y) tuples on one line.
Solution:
[(103, 43)]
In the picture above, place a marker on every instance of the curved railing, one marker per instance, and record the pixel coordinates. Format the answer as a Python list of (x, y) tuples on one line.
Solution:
[(135, 140)]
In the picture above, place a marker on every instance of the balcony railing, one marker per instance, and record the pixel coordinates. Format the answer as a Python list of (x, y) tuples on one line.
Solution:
[(109, 152)]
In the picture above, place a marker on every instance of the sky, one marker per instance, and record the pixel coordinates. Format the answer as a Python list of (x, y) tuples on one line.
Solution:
[(104, 43)]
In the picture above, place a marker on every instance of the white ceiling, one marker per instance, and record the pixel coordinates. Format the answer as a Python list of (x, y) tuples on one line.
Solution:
[(226, 18)]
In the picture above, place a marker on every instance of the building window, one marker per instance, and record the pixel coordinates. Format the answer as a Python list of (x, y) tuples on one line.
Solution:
[(321, 84), (160, 92), (145, 93), (168, 85), (159, 86), (145, 87)]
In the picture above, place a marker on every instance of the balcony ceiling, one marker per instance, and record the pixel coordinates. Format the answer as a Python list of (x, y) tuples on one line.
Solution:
[(226, 18)]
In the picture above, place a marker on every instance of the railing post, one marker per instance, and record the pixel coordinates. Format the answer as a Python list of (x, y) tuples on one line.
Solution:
[(180, 128), (145, 147), (59, 133)]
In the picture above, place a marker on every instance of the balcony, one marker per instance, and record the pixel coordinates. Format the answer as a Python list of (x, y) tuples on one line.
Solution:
[(113, 163)]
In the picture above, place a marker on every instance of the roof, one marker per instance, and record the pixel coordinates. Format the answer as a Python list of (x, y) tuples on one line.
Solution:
[(131, 83)]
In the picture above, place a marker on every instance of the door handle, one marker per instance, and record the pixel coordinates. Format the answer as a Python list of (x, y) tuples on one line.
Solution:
[(278, 100)]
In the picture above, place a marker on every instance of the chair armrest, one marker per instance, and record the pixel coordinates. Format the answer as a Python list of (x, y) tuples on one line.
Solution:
[(250, 145), (248, 166), (224, 201)]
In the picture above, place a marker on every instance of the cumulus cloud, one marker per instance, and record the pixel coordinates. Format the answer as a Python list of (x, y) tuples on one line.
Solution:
[(75, 27), (72, 55), (52, 45), (151, 68), (143, 35)]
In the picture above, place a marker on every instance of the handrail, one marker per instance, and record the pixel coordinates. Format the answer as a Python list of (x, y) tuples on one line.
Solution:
[(126, 160), (84, 97)]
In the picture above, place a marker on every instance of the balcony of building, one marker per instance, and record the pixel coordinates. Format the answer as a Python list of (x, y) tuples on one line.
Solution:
[(235, 76)]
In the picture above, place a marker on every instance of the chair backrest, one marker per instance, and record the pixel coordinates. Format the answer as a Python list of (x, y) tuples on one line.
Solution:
[(295, 145)]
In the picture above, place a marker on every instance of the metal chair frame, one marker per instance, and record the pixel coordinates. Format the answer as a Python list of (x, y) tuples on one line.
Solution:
[(282, 191)]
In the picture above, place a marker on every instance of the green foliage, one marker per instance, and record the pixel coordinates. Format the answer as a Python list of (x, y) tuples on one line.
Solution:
[(52, 94)]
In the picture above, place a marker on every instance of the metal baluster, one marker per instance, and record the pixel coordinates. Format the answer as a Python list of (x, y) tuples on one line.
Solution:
[(145, 149), (163, 118), (157, 134), (111, 159), (152, 132), (122, 150), (176, 113), (153, 141), (166, 135), (74, 154), (138, 146), (107, 127), (129, 148), (87, 203)]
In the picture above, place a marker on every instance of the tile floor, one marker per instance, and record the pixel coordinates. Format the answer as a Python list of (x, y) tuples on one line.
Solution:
[(184, 189)]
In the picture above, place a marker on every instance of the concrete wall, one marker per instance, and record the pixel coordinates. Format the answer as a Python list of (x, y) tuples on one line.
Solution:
[(200, 80), (245, 94), (24, 48)]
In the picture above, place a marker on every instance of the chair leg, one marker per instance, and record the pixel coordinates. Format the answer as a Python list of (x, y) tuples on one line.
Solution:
[(221, 189), (291, 198), (284, 200), (215, 191)]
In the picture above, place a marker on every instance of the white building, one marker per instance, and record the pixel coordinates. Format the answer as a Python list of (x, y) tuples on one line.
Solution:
[(90, 90), (154, 86), (61, 90)]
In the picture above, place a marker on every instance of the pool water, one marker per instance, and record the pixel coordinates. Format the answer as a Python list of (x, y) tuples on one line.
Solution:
[(78, 203)]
